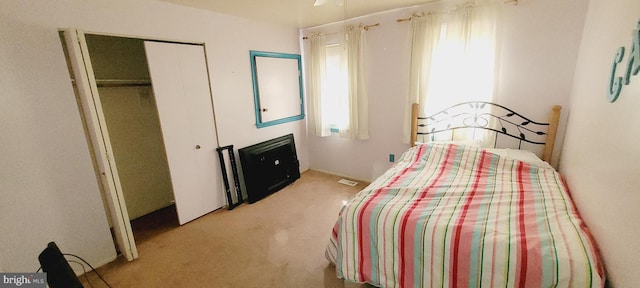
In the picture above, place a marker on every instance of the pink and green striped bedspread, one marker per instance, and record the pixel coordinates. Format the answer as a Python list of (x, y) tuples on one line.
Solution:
[(457, 216)]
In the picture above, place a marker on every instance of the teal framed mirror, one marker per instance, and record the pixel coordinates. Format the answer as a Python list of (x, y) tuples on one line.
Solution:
[(277, 87)]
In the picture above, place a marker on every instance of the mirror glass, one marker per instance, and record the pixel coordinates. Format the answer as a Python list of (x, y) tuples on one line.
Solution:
[(277, 87)]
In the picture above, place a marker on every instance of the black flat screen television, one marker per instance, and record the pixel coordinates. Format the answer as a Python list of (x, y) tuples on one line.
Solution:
[(269, 166)]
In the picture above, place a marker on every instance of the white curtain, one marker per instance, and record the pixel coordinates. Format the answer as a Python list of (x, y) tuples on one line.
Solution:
[(424, 29), (455, 59), (357, 93), (317, 73)]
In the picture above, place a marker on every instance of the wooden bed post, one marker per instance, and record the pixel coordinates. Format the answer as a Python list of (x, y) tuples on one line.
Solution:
[(414, 124), (551, 133)]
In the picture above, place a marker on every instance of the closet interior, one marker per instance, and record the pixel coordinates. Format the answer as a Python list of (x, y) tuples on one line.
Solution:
[(129, 107)]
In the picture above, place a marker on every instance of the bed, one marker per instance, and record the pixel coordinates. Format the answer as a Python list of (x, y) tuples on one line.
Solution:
[(452, 214)]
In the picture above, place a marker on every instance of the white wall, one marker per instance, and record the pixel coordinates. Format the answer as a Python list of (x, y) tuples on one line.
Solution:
[(49, 190), (539, 50), (601, 159)]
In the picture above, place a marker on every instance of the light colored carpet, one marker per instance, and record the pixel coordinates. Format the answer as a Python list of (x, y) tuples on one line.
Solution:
[(278, 241)]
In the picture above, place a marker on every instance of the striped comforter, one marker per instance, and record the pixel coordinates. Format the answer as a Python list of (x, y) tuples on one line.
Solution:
[(457, 216)]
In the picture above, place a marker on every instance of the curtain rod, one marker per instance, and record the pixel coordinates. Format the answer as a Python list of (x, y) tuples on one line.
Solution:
[(366, 28), (415, 15)]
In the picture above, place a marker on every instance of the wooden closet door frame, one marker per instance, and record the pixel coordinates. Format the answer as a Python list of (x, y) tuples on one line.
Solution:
[(99, 137)]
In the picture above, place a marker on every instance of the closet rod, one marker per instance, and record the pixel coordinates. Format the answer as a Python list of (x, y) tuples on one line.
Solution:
[(120, 82), (123, 82)]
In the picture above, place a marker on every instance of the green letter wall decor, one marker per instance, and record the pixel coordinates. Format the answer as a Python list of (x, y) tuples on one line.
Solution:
[(633, 67), (615, 84)]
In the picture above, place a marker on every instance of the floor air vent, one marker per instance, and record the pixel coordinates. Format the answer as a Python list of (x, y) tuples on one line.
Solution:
[(347, 182)]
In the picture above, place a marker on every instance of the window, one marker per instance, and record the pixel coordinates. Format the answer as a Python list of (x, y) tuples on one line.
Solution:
[(338, 94), (453, 60), (462, 69), (335, 90)]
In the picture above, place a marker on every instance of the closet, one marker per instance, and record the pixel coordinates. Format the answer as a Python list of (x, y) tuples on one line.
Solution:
[(129, 107), (149, 117)]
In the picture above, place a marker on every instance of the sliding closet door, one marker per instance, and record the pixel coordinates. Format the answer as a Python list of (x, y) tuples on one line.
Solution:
[(181, 86)]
